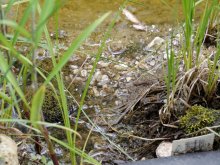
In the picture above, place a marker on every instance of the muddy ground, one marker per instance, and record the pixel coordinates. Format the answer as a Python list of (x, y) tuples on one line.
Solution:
[(127, 90)]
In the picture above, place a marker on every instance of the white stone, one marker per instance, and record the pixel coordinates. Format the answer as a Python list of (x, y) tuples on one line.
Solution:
[(84, 73), (128, 79), (152, 62), (157, 41), (139, 27), (103, 64), (75, 71), (121, 67), (98, 75), (164, 149), (103, 93), (73, 67), (104, 80), (95, 91), (8, 151)]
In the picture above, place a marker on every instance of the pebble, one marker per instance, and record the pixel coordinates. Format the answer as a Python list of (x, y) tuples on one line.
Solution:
[(117, 102), (164, 149), (157, 41), (8, 151), (73, 67), (75, 71), (104, 80), (103, 93), (128, 79), (121, 67), (98, 75), (102, 64), (84, 73), (95, 91), (152, 62)]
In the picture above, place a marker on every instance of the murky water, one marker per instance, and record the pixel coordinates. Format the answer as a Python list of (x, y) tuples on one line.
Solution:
[(77, 14)]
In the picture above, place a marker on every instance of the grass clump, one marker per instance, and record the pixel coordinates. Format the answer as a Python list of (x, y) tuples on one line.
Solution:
[(196, 118)]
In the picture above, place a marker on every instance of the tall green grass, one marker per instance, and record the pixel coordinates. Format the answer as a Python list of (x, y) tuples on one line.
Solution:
[(195, 32), (15, 95)]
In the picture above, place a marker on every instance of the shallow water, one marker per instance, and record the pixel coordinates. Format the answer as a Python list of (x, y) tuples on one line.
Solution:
[(77, 14)]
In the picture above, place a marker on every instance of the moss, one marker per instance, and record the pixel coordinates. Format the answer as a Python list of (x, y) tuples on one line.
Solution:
[(51, 109), (197, 117)]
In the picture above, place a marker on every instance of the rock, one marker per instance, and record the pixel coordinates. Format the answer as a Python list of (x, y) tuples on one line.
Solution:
[(128, 79), (156, 42), (84, 73), (104, 80), (61, 34), (8, 151), (75, 71), (103, 93), (140, 27), (164, 149), (95, 91), (130, 16), (98, 76), (121, 67), (152, 63), (102, 64), (73, 67)]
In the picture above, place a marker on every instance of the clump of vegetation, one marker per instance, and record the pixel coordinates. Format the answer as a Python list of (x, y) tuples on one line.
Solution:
[(197, 117)]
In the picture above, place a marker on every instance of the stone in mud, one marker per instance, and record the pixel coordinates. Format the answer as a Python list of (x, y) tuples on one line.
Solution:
[(152, 63), (95, 91), (61, 34), (8, 151), (84, 73), (73, 67), (104, 80), (155, 43), (128, 79), (121, 67), (102, 64)]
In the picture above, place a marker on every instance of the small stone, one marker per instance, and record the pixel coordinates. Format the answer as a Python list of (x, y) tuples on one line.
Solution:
[(84, 73), (136, 63), (84, 107), (140, 27), (89, 67), (67, 78), (121, 67), (95, 91), (75, 71), (97, 76), (103, 93), (175, 43), (128, 79), (8, 151), (164, 149), (104, 80), (117, 102), (78, 80), (152, 62), (143, 66), (71, 76), (157, 41), (102, 64), (73, 67)]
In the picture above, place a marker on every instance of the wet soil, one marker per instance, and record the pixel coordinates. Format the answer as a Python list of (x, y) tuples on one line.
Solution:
[(127, 90)]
